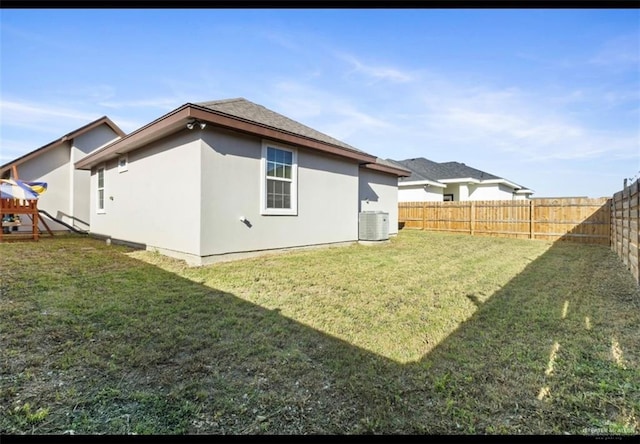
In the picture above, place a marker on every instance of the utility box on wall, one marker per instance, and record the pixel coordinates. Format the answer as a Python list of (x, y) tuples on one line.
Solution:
[(373, 226)]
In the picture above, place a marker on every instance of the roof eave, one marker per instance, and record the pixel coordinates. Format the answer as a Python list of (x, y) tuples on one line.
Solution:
[(163, 125), (501, 181), (69, 136), (405, 183), (460, 180), (386, 169), (170, 123), (250, 127)]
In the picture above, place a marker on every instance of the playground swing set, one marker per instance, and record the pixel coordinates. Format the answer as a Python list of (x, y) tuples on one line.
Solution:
[(17, 198)]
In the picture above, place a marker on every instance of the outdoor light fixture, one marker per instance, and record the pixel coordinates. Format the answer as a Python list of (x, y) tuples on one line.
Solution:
[(193, 123)]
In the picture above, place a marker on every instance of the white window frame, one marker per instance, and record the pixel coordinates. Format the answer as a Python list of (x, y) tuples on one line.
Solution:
[(123, 167), (293, 211), (99, 209)]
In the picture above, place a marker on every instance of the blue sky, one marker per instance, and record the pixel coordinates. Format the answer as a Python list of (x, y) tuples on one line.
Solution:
[(549, 99)]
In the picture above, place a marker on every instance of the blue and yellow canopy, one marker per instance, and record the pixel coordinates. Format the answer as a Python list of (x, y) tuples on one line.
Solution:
[(21, 189)]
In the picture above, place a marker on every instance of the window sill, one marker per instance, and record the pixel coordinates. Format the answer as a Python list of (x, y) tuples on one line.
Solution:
[(279, 213)]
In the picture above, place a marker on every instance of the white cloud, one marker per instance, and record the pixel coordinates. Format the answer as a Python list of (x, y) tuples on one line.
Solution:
[(91, 93), (335, 115), (31, 115), (437, 116), (376, 72), (54, 121), (163, 103), (511, 120), (27, 126)]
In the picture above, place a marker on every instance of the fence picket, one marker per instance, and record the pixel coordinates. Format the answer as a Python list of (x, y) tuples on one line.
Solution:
[(578, 219), (625, 236)]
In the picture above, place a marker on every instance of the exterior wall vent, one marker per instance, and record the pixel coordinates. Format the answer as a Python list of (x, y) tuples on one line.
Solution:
[(373, 226)]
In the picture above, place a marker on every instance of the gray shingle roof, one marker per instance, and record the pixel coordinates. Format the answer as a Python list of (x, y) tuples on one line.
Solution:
[(244, 109), (458, 170), (391, 163), (421, 169), (425, 169)]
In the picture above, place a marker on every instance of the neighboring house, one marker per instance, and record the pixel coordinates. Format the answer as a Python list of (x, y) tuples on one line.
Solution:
[(225, 179), (67, 195), (453, 181)]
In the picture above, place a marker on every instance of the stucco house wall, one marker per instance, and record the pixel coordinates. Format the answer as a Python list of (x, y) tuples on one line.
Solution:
[(490, 192), (379, 192), (79, 209), (419, 193), (156, 201), (460, 192), (52, 167), (231, 187), (191, 193), (67, 195), (521, 197)]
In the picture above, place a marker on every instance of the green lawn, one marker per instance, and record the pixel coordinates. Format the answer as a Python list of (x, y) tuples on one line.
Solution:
[(427, 334)]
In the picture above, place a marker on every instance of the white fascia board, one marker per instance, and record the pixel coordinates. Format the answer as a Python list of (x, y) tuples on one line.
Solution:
[(488, 181), (502, 181), (460, 180), (421, 182)]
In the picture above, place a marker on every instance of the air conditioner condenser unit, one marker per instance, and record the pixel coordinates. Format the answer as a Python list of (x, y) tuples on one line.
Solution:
[(373, 226)]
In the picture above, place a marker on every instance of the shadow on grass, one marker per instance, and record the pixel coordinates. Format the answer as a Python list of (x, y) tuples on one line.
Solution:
[(167, 355), (555, 351)]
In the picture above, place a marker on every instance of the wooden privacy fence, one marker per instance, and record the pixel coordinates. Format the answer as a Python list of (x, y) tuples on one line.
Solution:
[(625, 237), (580, 219)]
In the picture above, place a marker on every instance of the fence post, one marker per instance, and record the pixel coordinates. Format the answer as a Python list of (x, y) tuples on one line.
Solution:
[(612, 225), (628, 216), (472, 217), (424, 215), (531, 231)]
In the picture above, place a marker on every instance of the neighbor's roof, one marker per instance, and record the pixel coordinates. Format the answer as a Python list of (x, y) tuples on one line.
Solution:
[(425, 169), (456, 170), (240, 115), (421, 169), (388, 166), (72, 135)]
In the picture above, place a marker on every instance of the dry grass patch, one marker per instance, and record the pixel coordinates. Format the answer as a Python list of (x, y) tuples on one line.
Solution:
[(397, 301)]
